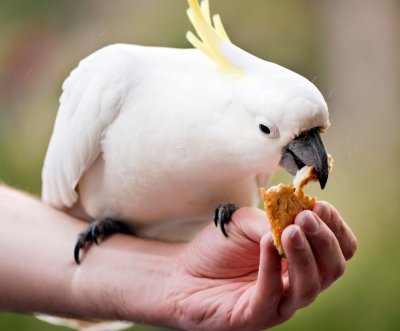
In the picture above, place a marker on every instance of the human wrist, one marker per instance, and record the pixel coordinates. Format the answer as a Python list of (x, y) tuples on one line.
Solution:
[(153, 302), (133, 276)]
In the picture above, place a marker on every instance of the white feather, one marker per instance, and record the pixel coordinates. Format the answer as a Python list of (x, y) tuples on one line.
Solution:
[(85, 325), (91, 100)]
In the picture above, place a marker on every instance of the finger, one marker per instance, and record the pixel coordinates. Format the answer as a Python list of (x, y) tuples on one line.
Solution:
[(249, 222), (345, 237), (304, 282), (327, 252), (268, 290)]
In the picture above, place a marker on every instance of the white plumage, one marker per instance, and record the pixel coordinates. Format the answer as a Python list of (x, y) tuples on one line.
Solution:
[(158, 137)]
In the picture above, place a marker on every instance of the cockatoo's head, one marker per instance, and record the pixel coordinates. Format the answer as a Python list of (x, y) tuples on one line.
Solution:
[(289, 113), (281, 113)]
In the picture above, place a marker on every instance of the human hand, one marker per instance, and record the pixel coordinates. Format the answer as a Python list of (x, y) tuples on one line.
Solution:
[(211, 283), (241, 283)]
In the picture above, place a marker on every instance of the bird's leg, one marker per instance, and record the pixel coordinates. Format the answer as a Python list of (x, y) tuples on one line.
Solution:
[(223, 214), (96, 230)]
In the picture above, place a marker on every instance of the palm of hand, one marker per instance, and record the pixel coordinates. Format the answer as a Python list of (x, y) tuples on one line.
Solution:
[(241, 283), (219, 282)]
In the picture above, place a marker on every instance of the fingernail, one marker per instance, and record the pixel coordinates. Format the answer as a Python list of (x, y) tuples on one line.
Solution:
[(297, 238), (309, 222), (323, 211)]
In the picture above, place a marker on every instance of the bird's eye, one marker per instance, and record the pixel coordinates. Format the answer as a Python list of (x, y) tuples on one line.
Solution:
[(267, 127), (264, 129)]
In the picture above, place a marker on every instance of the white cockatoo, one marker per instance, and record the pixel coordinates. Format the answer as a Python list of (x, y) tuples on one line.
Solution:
[(152, 139)]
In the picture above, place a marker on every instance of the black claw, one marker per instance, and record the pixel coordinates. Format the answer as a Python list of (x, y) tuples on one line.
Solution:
[(95, 234), (96, 230), (83, 238), (77, 249), (76, 253), (222, 225), (216, 214), (223, 214)]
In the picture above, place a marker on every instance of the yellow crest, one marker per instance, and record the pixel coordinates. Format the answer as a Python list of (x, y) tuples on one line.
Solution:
[(210, 32)]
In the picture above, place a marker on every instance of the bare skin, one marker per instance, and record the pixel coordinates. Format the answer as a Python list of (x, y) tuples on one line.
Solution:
[(211, 283)]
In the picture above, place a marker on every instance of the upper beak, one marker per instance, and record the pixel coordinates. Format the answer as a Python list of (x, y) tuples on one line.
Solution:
[(307, 149)]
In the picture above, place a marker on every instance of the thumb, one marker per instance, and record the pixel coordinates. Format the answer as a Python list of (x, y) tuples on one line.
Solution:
[(249, 222)]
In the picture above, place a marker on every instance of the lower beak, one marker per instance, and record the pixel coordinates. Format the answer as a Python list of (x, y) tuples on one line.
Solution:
[(307, 149)]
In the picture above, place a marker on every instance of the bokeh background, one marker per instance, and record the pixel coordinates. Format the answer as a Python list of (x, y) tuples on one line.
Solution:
[(350, 49)]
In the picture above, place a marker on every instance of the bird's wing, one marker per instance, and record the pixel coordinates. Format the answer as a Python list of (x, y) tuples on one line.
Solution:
[(91, 100)]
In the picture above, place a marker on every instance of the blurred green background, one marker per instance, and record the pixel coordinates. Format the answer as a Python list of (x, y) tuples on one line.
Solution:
[(350, 49)]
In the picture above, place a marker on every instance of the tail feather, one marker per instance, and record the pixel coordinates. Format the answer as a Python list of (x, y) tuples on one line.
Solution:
[(82, 325)]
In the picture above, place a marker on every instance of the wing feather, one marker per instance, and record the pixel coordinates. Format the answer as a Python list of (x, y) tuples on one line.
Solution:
[(91, 100)]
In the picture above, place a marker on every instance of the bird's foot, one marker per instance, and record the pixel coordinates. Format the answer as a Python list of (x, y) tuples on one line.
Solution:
[(97, 230), (223, 214)]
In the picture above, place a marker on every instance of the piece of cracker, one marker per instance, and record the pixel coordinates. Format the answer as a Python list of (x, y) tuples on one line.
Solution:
[(284, 202)]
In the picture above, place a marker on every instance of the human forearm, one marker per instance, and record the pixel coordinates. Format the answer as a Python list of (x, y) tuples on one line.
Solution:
[(123, 278), (132, 276)]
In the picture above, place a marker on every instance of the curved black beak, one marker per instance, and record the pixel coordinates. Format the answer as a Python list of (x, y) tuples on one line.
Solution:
[(307, 149)]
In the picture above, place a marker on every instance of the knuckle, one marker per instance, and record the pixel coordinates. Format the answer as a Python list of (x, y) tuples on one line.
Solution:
[(339, 229), (331, 242), (339, 270), (285, 312), (275, 296), (333, 274), (351, 250), (336, 224), (310, 293)]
